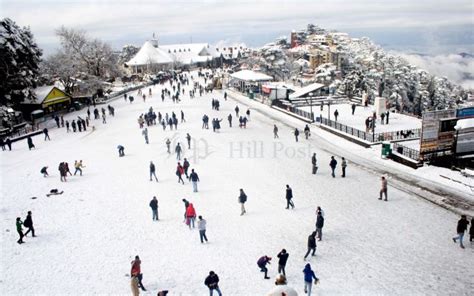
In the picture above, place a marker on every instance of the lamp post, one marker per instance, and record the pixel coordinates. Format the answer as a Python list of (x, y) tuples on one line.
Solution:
[(329, 109)]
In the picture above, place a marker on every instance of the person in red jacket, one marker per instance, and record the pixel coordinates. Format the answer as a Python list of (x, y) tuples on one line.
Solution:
[(136, 272), (180, 172), (190, 215)]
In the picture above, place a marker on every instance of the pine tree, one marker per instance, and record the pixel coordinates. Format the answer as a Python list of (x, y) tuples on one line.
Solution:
[(19, 62)]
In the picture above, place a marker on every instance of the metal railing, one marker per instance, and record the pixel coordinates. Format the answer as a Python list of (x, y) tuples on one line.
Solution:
[(372, 137), (293, 109), (407, 151)]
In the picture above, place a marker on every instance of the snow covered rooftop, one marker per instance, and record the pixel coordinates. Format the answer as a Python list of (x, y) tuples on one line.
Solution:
[(249, 75), (306, 90), (149, 54), (464, 124), (167, 54)]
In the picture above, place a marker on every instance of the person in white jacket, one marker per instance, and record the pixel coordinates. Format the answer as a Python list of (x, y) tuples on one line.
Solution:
[(202, 229)]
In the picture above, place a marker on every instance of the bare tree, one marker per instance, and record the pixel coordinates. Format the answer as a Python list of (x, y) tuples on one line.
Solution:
[(94, 55)]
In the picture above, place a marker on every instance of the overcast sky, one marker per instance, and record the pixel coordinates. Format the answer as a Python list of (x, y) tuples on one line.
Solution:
[(443, 26)]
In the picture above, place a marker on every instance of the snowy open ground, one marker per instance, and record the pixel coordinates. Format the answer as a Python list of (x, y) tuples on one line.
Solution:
[(88, 236), (397, 121)]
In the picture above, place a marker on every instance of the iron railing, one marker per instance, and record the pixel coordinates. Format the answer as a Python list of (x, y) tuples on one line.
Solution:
[(406, 151), (372, 137)]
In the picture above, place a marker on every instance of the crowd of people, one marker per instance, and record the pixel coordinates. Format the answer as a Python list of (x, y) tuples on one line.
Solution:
[(174, 90)]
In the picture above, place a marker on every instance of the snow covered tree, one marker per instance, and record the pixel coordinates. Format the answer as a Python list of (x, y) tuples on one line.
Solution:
[(59, 67), (127, 53), (94, 55), (19, 62)]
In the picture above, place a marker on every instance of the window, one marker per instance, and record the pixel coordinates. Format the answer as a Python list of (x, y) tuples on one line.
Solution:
[(447, 125)]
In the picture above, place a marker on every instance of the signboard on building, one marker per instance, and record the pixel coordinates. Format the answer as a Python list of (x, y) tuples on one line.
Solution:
[(436, 132)]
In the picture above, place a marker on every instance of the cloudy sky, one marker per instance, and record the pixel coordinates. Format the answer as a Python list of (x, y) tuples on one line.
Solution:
[(438, 26)]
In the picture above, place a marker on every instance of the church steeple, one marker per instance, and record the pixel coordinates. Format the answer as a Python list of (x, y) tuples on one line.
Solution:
[(154, 41)]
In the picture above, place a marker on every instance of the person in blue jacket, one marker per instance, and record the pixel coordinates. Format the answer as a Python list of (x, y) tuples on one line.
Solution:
[(308, 278)]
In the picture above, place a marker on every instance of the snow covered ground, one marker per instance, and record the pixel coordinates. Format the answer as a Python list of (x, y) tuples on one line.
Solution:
[(88, 236), (397, 121)]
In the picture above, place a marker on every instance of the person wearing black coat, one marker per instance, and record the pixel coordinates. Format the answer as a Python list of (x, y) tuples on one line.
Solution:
[(152, 171), (282, 258), (460, 229), (30, 143), (2, 144), (28, 223), (296, 133), (289, 196), (311, 244), (471, 231), (319, 225), (9, 143), (242, 201), (212, 282), (186, 205), (333, 164), (46, 134), (154, 208)]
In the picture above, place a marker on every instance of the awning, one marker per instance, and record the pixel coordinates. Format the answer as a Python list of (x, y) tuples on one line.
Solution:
[(56, 101), (303, 92)]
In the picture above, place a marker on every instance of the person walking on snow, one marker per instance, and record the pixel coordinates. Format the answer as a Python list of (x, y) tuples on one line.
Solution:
[(46, 134), (308, 279), (19, 229), (152, 171), (212, 282), (383, 189), (154, 208), (28, 223), (289, 196), (248, 113), (314, 163), (168, 143), (282, 258), (262, 262), (242, 201), (186, 205), (202, 229), (180, 172), (188, 138), (178, 152), (29, 140), (296, 133), (186, 167), (145, 134), (311, 244), (194, 179), (190, 215), (319, 225), (336, 114), (307, 132), (333, 164), (236, 111), (343, 166), (136, 272), (461, 228), (275, 132), (78, 167)]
